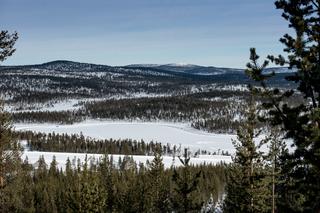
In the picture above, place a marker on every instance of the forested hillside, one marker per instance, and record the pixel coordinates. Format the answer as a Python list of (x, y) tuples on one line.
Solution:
[(269, 113)]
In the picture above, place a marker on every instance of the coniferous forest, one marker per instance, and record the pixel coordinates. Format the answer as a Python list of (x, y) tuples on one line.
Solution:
[(275, 166), (105, 187), (80, 144)]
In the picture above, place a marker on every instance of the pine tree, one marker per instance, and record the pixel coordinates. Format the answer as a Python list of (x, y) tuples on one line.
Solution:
[(275, 157), (159, 187), (247, 189), (185, 185), (53, 170), (299, 122), (106, 179), (25, 188), (10, 152), (10, 149), (92, 198), (44, 200), (87, 196), (7, 42)]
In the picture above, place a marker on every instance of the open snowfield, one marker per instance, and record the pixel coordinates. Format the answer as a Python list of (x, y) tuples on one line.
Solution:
[(173, 133), (168, 161), (164, 132)]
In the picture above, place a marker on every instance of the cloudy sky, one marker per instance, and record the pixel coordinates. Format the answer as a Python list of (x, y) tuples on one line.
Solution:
[(119, 32)]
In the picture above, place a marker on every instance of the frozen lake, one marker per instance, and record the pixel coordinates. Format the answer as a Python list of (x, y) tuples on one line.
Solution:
[(164, 132)]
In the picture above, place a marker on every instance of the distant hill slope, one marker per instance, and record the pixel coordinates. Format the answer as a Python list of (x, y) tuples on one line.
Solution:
[(153, 72), (200, 70)]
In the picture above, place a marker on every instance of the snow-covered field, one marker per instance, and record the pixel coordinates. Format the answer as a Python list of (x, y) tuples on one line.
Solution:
[(62, 105), (168, 161), (164, 132)]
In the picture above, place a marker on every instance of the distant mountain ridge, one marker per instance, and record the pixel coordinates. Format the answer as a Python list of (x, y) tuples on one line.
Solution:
[(65, 65), (140, 73), (202, 70)]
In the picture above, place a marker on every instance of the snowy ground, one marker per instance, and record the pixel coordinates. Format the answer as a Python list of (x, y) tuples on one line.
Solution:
[(168, 161), (164, 132), (54, 106)]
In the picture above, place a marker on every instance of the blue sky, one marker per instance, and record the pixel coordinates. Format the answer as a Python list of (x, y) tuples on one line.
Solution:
[(119, 32)]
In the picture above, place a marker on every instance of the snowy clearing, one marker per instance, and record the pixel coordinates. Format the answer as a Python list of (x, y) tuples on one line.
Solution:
[(168, 161), (172, 133)]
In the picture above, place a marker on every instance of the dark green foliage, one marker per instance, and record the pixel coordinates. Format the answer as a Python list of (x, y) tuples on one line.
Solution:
[(10, 150), (159, 188), (107, 182), (91, 197), (247, 188), (185, 185), (275, 160), (105, 187), (300, 187)]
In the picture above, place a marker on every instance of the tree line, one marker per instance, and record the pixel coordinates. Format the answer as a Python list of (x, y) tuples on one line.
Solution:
[(206, 114), (58, 117), (106, 187), (78, 143)]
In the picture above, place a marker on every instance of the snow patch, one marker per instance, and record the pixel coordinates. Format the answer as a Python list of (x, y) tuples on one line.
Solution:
[(168, 161)]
